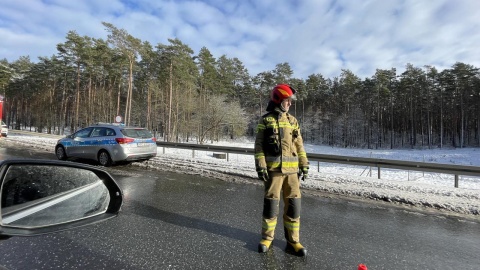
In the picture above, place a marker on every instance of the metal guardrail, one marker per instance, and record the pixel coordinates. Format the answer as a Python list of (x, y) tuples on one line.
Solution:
[(451, 169), (455, 170)]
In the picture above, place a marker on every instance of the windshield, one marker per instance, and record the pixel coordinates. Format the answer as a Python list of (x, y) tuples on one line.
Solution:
[(140, 133)]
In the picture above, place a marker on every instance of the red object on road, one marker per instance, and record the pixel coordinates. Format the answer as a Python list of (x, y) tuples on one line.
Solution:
[(362, 267)]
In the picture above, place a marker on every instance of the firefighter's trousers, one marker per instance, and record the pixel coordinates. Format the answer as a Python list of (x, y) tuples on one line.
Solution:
[(287, 185)]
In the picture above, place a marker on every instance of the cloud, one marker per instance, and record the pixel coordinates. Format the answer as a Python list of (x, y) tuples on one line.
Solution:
[(312, 36)]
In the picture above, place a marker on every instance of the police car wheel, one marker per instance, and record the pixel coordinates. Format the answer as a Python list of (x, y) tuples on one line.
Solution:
[(60, 153), (104, 159)]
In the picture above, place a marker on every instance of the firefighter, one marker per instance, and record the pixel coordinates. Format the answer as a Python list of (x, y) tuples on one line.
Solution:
[(280, 161)]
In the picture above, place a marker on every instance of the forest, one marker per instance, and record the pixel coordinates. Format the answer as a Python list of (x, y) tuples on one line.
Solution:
[(184, 96)]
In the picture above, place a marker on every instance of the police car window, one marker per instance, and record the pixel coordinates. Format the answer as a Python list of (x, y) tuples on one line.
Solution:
[(84, 133), (144, 133), (97, 132), (137, 133), (129, 133), (109, 132)]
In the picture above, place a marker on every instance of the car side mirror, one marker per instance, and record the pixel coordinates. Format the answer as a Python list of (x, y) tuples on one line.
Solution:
[(43, 196)]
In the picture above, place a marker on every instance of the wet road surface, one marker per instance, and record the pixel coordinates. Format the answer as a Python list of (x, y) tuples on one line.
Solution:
[(176, 221)]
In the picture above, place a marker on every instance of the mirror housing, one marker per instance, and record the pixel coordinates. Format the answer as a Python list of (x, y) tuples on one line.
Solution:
[(44, 196)]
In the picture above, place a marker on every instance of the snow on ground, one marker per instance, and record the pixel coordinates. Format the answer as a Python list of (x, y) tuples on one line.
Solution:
[(417, 189)]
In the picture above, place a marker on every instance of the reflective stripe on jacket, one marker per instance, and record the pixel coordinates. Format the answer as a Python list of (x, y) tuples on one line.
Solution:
[(291, 154)]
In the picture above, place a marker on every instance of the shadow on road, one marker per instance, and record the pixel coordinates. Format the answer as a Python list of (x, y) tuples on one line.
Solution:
[(251, 239)]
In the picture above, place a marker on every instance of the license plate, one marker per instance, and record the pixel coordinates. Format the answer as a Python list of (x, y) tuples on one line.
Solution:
[(143, 144)]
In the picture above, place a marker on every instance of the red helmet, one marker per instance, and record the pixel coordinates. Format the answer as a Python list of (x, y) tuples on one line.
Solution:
[(281, 92)]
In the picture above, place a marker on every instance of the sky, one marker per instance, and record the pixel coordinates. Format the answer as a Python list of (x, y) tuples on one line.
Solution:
[(414, 190), (313, 36)]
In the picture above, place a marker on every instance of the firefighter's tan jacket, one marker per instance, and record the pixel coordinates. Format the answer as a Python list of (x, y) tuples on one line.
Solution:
[(290, 154)]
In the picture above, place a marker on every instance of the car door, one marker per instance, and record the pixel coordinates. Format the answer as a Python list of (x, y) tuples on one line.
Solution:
[(80, 142), (97, 142)]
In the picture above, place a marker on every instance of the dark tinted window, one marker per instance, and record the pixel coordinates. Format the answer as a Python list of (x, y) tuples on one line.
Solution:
[(109, 132), (99, 132), (137, 133)]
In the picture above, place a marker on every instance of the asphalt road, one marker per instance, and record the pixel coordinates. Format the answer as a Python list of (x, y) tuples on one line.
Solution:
[(176, 221)]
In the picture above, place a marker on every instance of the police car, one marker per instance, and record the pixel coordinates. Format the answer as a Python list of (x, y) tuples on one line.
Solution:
[(108, 144), (4, 131)]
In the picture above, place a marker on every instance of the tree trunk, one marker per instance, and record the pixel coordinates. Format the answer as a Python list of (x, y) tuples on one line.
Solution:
[(77, 101), (170, 102)]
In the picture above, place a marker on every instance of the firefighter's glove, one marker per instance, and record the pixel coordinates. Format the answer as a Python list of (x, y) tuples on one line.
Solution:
[(262, 174), (303, 173)]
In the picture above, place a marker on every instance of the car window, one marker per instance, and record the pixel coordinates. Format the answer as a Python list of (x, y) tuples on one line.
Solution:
[(84, 133), (32, 197), (137, 133), (99, 132), (109, 132), (26, 183)]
